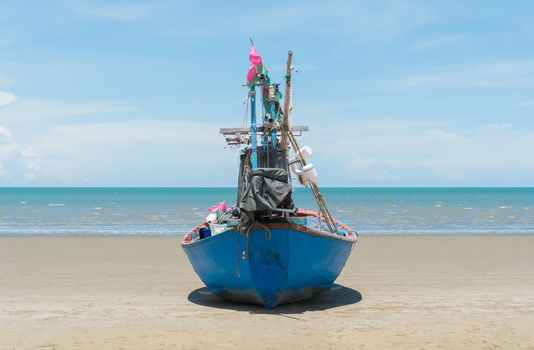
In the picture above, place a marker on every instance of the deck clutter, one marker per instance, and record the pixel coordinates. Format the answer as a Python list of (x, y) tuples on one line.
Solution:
[(265, 250)]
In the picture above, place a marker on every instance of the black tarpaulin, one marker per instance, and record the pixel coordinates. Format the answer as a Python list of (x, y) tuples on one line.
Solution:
[(265, 190)]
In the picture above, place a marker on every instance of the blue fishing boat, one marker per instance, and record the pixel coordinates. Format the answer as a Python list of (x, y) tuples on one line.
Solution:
[(265, 250)]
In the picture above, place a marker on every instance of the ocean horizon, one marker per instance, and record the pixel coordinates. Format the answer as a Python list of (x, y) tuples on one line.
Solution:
[(175, 210)]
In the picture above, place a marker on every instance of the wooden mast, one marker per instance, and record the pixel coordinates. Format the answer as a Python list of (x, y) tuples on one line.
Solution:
[(287, 101), (287, 134)]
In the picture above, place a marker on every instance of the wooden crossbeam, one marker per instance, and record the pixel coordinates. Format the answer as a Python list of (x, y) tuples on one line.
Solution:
[(244, 131)]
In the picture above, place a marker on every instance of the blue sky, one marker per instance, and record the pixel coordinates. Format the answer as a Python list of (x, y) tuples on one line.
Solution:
[(396, 93)]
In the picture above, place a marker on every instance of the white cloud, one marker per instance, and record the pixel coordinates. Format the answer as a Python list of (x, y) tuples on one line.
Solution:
[(480, 75), (16, 167), (374, 153), (132, 153), (8, 150), (412, 153), (28, 152), (21, 158), (39, 109), (5, 134), (6, 98), (131, 131), (31, 171)]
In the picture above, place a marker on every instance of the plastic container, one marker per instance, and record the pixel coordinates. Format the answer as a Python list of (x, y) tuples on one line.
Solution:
[(216, 229), (305, 151), (204, 232), (309, 174)]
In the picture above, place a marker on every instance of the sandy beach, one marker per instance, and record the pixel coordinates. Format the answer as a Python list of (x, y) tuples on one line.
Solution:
[(409, 292)]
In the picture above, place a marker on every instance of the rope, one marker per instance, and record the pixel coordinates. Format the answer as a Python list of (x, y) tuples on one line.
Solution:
[(267, 230)]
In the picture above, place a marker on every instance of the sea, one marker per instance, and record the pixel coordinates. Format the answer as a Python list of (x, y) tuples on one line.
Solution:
[(174, 211)]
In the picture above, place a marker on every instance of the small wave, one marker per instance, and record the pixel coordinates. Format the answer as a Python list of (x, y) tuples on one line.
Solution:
[(504, 207), (98, 208), (22, 202), (437, 205), (468, 208), (56, 204)]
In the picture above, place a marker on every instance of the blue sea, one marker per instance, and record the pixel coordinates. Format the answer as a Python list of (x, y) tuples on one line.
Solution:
[(167, 211)]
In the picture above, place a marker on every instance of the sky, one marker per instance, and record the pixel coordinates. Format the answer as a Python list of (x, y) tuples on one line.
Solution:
[(396, 93)]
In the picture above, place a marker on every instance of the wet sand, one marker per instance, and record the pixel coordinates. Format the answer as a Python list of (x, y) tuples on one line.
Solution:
[(410, 292)]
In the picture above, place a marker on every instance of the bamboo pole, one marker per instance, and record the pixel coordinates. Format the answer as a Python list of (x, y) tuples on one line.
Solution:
[(288, 135), (287, 101), (315, 189)]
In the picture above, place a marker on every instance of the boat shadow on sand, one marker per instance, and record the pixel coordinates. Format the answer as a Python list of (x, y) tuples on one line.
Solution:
[(337, 296)]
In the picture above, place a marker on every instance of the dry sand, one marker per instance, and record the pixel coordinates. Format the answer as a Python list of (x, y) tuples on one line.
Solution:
[(411, 292)]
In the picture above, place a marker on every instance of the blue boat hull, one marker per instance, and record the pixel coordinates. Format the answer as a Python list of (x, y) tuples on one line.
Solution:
[(275, 265)]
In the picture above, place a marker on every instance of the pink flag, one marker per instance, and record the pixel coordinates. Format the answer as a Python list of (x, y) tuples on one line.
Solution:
[(221, 206), (251, 74), (254, 56)]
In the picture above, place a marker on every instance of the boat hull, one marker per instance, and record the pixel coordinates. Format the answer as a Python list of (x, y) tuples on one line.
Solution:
[(276, 264)]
